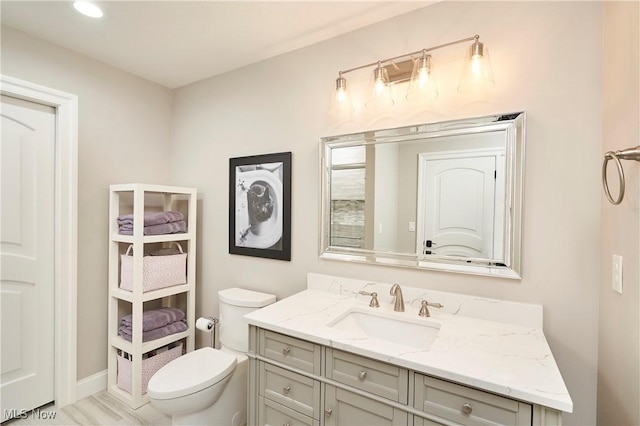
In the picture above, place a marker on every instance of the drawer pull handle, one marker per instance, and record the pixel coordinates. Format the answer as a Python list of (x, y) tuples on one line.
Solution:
[(286, 350), (286, 389), (362, 375), (328, 412), (467, 408)]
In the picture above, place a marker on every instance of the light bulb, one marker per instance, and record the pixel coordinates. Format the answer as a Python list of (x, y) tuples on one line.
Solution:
[(379, 86), (341, 95), (476, 65), (423, 77)]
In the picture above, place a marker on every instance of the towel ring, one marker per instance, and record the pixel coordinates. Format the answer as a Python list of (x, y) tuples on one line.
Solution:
[(610, 155), (625, 154)]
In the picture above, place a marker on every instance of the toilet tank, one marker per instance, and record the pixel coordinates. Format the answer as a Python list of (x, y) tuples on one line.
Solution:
[(234, 304)]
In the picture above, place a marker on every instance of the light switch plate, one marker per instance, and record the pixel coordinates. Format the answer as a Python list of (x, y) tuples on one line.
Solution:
[(616, 273), (412, 227)]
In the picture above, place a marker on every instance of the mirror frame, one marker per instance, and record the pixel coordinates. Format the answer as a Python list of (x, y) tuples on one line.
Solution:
[(514, 126)]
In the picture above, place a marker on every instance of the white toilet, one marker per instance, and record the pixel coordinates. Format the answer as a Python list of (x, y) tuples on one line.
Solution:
[(209, 386)]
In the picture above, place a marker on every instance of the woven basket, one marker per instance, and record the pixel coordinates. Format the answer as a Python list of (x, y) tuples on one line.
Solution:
[(157, 271), (149, 367)]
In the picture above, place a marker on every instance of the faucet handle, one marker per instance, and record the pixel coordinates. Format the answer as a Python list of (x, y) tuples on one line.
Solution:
[(374, 298), (424, 310)]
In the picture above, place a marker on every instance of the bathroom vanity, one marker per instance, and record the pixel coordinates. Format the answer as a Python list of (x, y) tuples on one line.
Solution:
[(325, 357)]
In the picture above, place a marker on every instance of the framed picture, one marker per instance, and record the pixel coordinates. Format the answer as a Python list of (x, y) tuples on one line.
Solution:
[(260, 206)]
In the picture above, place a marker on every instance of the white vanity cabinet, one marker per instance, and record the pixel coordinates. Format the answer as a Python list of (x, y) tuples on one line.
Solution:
[(297, 382)]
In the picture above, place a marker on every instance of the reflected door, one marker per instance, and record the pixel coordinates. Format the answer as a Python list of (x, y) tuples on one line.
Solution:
[(457, 205), (27, 255)]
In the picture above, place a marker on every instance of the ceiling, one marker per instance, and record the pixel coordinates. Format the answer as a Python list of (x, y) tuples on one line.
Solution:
[(174, 43)]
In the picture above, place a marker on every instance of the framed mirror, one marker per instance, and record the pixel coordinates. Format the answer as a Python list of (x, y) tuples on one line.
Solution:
[(442, 196)]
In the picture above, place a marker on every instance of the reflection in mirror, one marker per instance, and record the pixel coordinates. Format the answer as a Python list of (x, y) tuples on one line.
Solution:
[(438, 196)]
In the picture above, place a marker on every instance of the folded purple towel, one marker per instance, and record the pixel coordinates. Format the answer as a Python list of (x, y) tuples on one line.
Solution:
[(163, 228), (156, 333), (152, 218), (156, 318)]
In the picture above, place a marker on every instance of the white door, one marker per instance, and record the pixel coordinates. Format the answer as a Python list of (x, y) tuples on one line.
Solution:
[(458, 203), (27, 255)]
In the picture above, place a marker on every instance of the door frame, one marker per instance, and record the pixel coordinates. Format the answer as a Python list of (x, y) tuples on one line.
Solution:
[(65, 228)]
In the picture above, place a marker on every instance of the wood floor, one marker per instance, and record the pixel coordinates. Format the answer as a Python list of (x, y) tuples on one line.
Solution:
[(101, 409)]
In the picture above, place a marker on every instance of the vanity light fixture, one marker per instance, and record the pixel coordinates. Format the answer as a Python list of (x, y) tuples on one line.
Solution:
[(88, 8), (418, 70)]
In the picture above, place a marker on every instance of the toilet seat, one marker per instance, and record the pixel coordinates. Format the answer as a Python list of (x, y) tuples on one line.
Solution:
[(191, 373)]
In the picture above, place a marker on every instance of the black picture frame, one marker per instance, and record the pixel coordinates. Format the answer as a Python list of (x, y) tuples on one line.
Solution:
[(260, 206)]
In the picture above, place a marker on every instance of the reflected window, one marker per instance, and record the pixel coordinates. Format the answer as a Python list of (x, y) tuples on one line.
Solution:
[(348, 177)]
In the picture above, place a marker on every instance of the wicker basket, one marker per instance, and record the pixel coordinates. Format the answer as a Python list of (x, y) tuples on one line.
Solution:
[(149, 367), (157, 271)]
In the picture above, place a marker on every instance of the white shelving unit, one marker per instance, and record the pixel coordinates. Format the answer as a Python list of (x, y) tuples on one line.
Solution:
[(136, 198)]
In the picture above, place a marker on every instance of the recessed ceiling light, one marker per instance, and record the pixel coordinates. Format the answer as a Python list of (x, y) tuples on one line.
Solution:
[(88, 8)]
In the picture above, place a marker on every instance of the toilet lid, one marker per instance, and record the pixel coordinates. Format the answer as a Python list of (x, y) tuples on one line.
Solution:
[(191, 373), (246, 298)]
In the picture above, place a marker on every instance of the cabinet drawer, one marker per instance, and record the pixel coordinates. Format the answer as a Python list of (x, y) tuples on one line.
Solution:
[(290, 389), (379, 378), (466, 405), (272, 413), (288, 350)]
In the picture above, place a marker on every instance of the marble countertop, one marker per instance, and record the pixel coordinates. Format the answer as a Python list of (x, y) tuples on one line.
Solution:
[(497, 346)]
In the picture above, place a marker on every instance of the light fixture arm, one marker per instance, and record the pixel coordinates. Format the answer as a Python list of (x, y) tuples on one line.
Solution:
[(429, 49)]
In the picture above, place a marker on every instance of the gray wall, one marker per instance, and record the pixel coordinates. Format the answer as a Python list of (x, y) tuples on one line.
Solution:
[(556, 79), (123, 136), (618, 354)]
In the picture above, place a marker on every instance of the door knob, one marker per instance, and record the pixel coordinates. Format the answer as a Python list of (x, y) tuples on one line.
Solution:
[(286, 350), (467, 408), (328, 412), (286, 389), (362, 375)]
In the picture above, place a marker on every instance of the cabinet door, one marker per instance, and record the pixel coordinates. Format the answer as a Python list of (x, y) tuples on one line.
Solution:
[(346, 408)]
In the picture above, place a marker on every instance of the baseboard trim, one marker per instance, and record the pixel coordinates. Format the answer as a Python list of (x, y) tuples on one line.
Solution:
[(92, 385)]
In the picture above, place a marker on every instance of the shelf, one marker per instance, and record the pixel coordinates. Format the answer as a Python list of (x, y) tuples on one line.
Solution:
[(137, 198), (160, 189), (127, 346), (147, 239), (127, 295)]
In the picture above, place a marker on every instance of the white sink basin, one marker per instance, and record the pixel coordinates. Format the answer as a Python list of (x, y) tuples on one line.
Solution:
[(419, 333)]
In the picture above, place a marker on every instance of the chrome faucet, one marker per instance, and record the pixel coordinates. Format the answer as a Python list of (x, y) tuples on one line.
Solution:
[(398, 303)]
